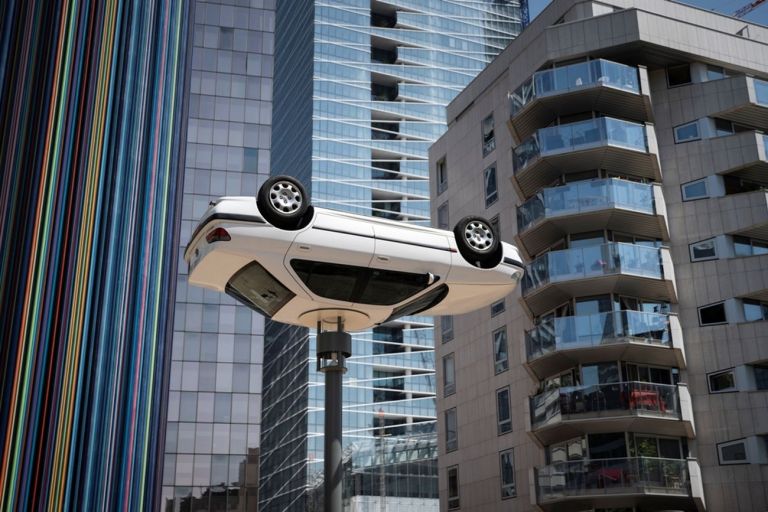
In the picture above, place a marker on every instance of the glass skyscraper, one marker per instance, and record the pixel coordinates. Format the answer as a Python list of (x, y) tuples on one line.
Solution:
[(360, 91), (214, 403)]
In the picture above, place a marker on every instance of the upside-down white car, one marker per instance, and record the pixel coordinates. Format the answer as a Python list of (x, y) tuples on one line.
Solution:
[(302, 265)]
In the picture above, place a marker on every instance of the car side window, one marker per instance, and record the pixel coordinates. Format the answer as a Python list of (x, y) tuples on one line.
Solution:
[(258, 289), (364, 285)]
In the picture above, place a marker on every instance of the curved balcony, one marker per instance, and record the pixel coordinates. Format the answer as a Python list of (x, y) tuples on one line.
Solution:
[(649, 483), (616, 204), (629, 269), (601, 142), (561, 343), (598, 85), (563, 413)]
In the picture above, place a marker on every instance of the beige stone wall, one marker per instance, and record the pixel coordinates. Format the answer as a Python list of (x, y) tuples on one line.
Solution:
[(650, 32)]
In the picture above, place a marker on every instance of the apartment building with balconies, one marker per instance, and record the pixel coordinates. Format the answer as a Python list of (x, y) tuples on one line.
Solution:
[(630, 371)]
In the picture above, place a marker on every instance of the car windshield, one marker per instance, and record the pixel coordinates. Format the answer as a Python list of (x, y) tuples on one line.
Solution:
[(255, 287), (360, 285)]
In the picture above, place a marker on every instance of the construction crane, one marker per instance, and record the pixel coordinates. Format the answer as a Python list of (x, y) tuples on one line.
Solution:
[(747, 8)]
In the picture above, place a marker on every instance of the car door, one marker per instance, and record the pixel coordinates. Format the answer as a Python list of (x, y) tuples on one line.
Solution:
[(333, 238), (411, 249)]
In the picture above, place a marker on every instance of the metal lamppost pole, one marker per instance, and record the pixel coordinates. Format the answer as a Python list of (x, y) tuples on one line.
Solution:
[(333, 347)]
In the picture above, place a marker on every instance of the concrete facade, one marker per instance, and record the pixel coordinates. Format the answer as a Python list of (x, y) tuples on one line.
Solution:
[(660, 147)]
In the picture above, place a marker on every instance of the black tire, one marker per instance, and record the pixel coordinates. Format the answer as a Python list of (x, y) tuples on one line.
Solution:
[(284, 203), (478, 243)]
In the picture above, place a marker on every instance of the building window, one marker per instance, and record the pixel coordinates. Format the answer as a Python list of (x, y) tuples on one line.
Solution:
[(449, 375), (679, 75), (695, 190), (723, 127), (713, 314), (716, 72), (491, 186), (760, 372), (744, 246), (453, 488), (704, 250), (687, 132), (722, 382), (489, 138), (507, 461), (442, 216), (442, 176), (497, 308), (733, 452), (451, 430), (754, 310), (446, 328), (503, 413), (500, 356)]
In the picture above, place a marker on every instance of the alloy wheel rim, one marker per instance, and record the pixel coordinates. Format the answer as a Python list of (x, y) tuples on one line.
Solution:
[(479, 236), (285, 197)]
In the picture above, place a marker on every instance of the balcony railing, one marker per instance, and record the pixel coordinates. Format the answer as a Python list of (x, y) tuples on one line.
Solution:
[(586, 331), (573, 77), (631, 475), (586, 196), (601, 131), (614, 399), (593, 261)]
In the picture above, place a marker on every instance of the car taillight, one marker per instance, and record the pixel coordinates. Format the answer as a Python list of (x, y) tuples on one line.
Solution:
[(217, 235)]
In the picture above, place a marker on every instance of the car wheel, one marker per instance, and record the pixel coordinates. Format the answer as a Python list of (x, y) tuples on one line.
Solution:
[(283, 202), (478, 242)]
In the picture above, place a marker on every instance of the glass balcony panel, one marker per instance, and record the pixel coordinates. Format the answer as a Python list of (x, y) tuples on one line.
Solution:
[(586, 196), (585, 262), (765, 144), (551, 406), (585, 331), (596, 476), (761, 92), (625, 134), (580, 136), (575, 76)]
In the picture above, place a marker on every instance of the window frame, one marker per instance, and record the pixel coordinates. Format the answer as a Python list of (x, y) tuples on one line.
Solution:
[(502, 333), (492, 197), (678, 140), (446, 334), (451, 442), (754, 302), (691, 249), (686, 196), (720, 303), (454, 499), (449, 388), (498, 307), (679, 66), (725, 444), (763, 367), (441, 175), (488, 138), (503, 426), (732, 389), (510, 453)]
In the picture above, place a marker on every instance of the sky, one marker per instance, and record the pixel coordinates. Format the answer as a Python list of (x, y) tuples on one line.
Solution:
[(758, 15)]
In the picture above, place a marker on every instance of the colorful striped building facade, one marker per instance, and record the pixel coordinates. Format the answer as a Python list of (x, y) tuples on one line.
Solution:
[(92, 121)]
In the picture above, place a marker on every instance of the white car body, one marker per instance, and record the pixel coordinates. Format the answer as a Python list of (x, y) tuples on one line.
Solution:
[(334, 238)]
